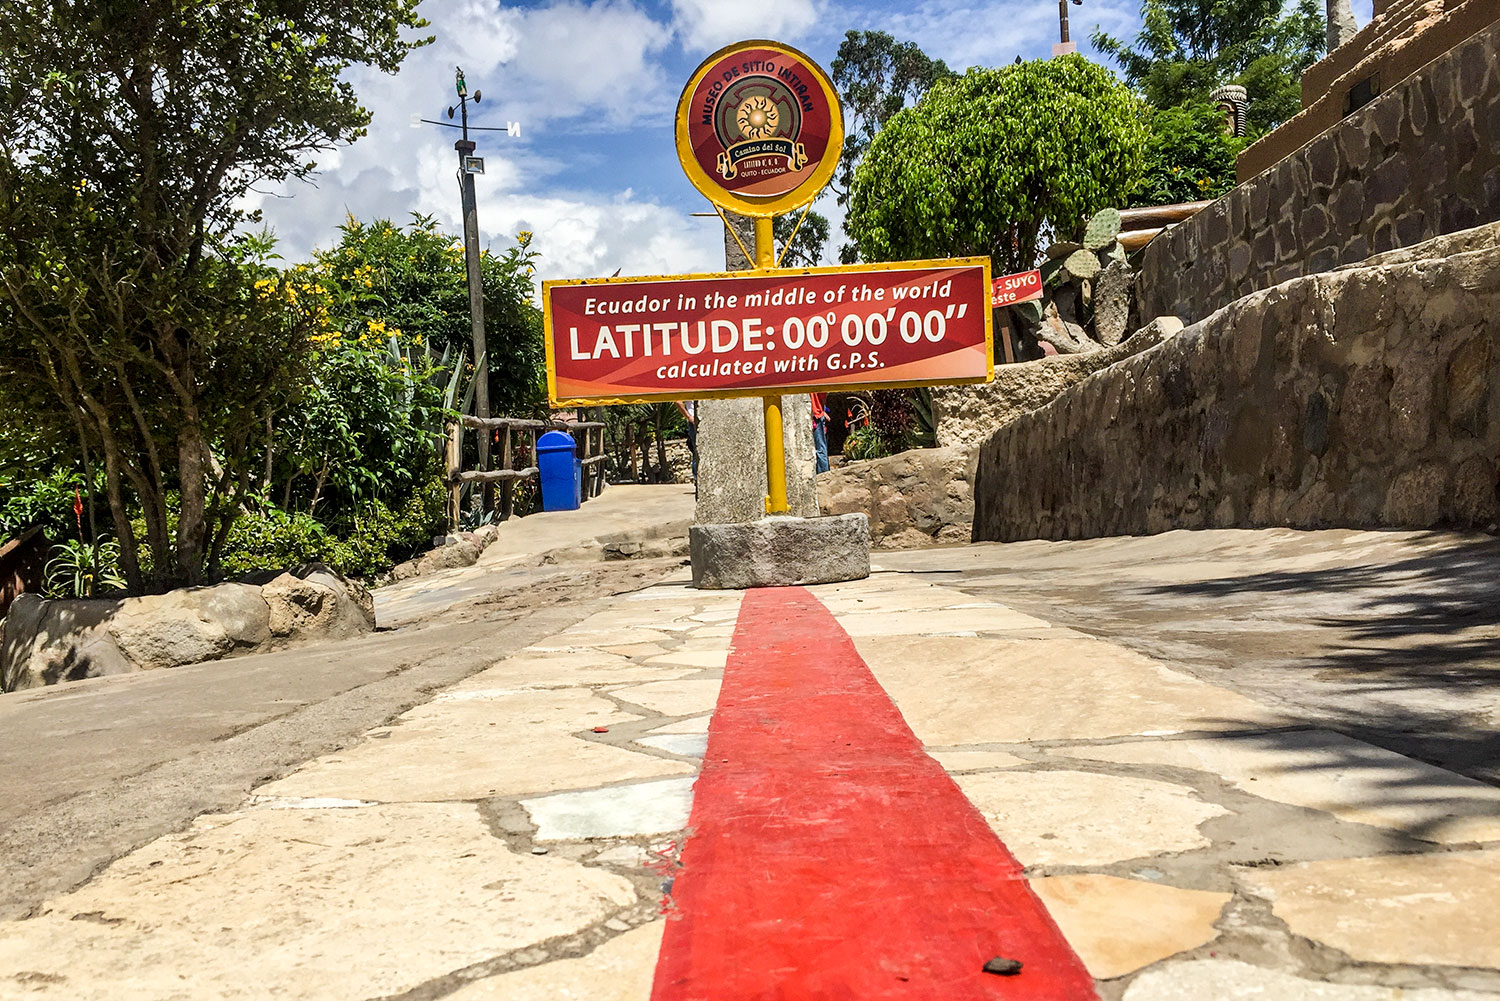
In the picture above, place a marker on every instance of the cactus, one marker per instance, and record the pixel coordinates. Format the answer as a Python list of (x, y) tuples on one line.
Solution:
[(1072, 274), (1082, 264), (1102, 229)]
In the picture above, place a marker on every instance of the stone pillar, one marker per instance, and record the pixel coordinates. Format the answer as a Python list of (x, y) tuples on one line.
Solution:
[(732, 438)]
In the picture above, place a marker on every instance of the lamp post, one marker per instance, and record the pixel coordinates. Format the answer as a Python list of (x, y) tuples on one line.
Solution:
[(1066, 45), (468, 166)]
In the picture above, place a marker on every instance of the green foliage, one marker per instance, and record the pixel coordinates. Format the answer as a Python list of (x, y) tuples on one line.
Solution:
[(82, 570), (1187, 48), (131, 321), (413, 279), (806, 250), (876, 77), (271, 538), (1189, 156), (366, 428), (41, 493), (632, 429), (1071, 270), (1101, 230), (865, 442), (387, 366), (983, 163)]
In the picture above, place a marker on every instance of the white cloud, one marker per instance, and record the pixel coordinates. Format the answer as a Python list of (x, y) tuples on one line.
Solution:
[(577, 236), (594, 60), (590, 64), (709, 25)]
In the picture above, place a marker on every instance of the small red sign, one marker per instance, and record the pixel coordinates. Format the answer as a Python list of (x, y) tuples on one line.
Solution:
[(754, 334), (1011, 289)]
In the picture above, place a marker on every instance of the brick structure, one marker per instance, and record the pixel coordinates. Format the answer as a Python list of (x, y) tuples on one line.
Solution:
[(1419, 161), (1402, 37)]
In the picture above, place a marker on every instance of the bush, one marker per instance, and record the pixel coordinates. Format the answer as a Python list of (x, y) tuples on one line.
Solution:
[(273, 539), (865, 442), (1188, 156), (985, 162)]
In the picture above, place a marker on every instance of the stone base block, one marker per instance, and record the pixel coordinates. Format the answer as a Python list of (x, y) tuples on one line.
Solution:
[(781, 552)]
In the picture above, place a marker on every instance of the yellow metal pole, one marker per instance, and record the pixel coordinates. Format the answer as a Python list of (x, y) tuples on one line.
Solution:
[(765, 257)]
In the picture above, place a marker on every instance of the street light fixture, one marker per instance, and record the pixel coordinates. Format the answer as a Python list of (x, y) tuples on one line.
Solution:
[(468, 166), (1066, 45)]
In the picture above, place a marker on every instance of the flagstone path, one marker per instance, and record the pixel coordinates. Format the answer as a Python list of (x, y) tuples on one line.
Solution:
[(526, 833)]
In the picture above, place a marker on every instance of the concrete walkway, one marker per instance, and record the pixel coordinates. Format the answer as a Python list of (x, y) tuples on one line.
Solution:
[(640, 516), (1192, 836)]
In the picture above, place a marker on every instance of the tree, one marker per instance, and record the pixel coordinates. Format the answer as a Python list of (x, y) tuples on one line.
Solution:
[(876, 77), (413, 279), (806, 246), (1189, 156), (983, 163), (132, 317), (1187, 48)]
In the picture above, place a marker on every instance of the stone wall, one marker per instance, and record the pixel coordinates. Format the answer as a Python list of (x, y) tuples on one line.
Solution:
[(1421, 160), (966, 415), (46, 641), (1401, 38), (1366, 397), (915, 498)]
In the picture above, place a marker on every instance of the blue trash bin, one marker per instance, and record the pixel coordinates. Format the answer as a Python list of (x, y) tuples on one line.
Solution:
[(557, 460)]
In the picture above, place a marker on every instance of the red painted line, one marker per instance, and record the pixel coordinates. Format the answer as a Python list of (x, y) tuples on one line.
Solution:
[(829, 858)]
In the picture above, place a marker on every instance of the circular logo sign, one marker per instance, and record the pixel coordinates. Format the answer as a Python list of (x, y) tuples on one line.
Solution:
[(759, 129)]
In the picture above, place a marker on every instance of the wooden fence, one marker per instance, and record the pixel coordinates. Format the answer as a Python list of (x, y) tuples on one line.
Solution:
[(22, 561), (513, 433)]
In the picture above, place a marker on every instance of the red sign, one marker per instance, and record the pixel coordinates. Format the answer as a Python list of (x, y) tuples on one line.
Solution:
[(759, 121), (1011, 289), (758, 333)]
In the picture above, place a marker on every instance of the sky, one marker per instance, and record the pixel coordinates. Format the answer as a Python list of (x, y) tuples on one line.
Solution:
[(594, 85)]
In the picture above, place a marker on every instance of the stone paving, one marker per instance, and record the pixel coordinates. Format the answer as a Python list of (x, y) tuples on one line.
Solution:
[(511, 837)]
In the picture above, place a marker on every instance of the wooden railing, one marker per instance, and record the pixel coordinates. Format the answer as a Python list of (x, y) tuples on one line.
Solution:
[(1142, 225), (588, 434)]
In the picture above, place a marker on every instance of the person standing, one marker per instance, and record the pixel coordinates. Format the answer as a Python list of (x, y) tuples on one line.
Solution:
[(820, 430)]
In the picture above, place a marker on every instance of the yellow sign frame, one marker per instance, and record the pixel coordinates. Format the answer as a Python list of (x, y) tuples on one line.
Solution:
[(724, 394), (806, 192)]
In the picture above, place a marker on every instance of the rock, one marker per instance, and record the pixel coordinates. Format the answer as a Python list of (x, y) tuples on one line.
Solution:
[(914, 495), (622, 550), (956, 534), (315, 603), (779, 552), (191, 625), (405, 571), (907, 538), (484, 535), (1356, 398), (48, 642), (459, 554), (732, 463), (1000, 966), (1112, 303), (1068, 338), (51, 641)]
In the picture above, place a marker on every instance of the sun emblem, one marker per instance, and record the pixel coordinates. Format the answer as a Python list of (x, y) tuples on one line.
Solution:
[(758, 118)]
